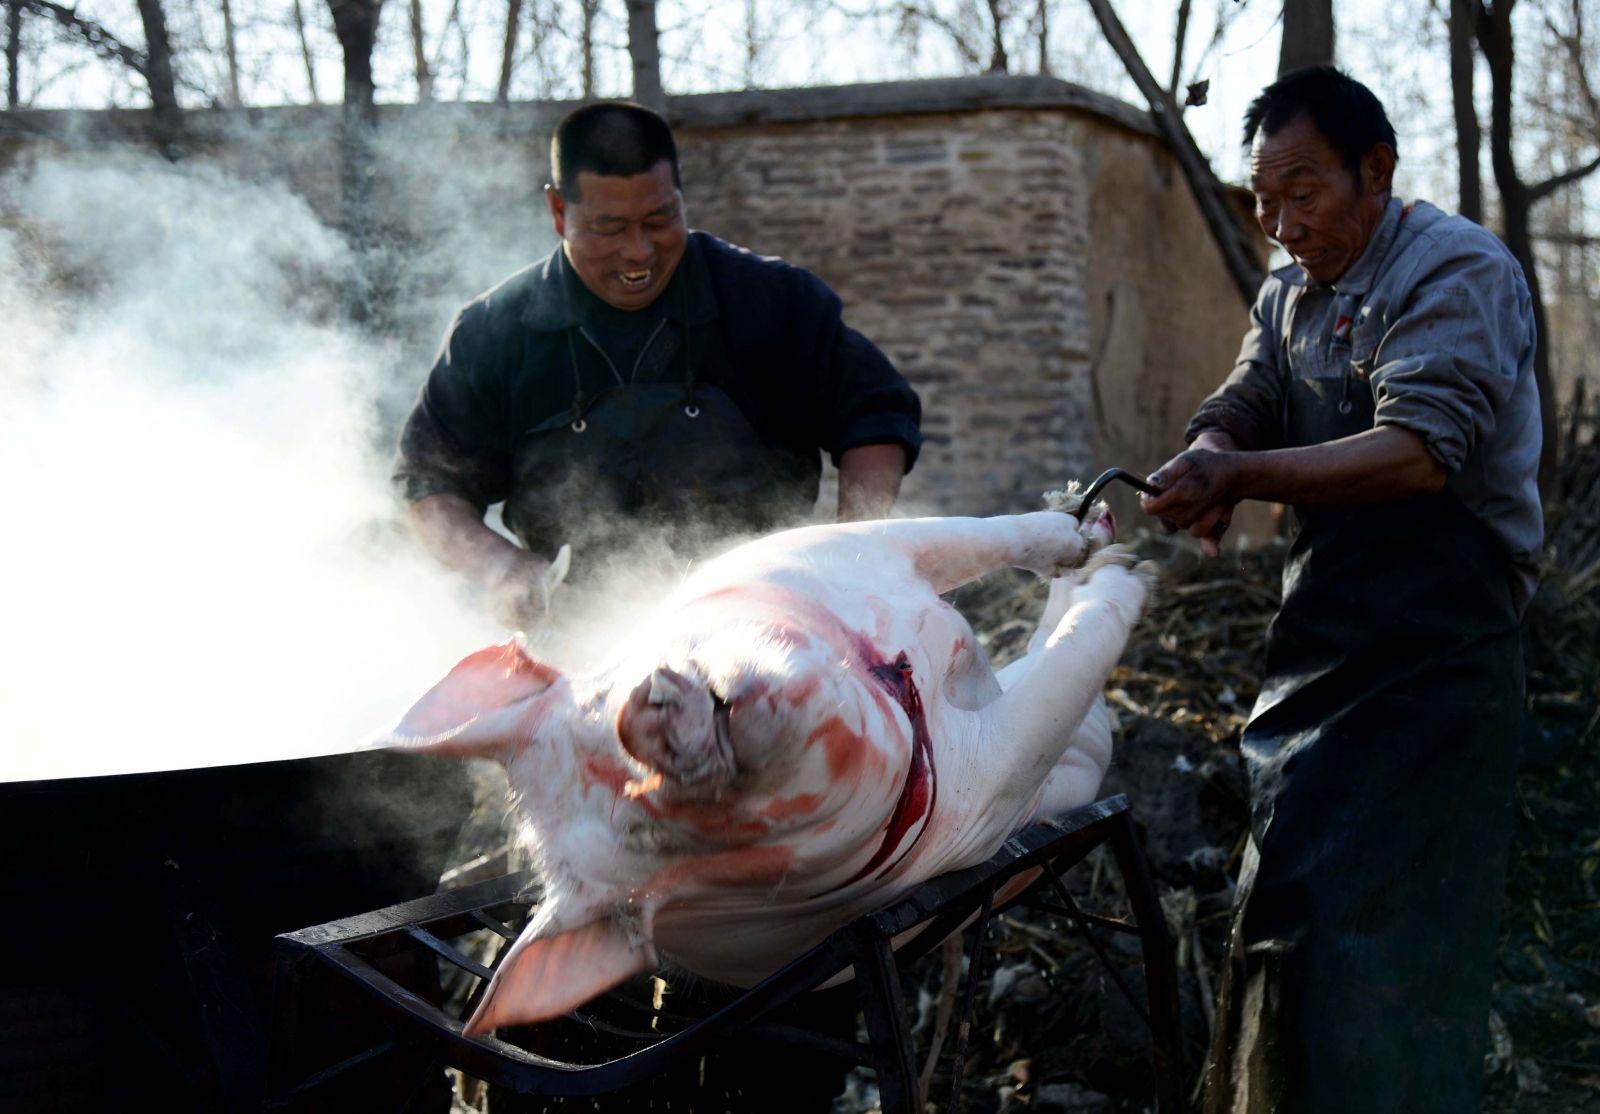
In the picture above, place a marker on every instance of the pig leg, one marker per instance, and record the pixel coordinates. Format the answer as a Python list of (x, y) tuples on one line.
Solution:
[(1082, 764), (950, 552), (1032, 724), (1055, 606)]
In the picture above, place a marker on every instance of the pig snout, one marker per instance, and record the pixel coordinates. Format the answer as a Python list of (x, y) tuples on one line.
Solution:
[(674, 725)]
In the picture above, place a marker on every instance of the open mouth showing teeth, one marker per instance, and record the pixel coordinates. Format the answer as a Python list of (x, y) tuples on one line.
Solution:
[(635, 279)]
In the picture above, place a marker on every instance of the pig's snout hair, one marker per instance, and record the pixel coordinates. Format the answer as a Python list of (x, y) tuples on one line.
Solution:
[(673, 724)]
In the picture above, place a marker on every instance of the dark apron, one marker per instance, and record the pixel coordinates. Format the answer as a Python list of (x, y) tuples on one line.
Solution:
[(1382, 753), (678, 461)]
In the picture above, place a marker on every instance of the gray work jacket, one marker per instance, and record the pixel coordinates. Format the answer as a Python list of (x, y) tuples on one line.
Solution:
[(1435, 319)]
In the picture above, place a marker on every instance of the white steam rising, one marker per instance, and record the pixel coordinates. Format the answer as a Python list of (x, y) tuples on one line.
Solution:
[(198, 563)]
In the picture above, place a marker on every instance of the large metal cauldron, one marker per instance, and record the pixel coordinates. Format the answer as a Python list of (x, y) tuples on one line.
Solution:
[(137, 914)]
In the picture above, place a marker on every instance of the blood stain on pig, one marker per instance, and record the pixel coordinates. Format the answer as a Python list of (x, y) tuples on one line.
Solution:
[(759, 865), (845, 749), (613, 775), (802, 690), (921, 788), (786, 808)]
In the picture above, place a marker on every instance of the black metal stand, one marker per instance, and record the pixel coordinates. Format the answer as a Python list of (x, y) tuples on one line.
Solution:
[(364, 952)]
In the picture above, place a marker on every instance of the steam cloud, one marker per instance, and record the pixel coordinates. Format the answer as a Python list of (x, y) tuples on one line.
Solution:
[(200, 562)]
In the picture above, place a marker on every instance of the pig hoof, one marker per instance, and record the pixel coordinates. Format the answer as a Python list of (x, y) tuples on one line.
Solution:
[(1116, 576)]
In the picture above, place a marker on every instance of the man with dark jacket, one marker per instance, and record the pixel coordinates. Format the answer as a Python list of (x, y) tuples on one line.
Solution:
[(641, 377), (1385, 390)]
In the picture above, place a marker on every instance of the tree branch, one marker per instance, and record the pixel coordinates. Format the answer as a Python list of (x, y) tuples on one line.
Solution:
[(1238, 253), (98, 39), (1544, 189)]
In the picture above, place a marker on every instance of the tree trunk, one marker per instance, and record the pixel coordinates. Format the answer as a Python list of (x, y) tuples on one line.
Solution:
[(752, 45), (305, 52), (998, 62), (158, 78), (356, 24), (644, 48), (591, 8), (508, 50), (419, 55), (1469, 137), (230, 50), (1307, 34), (1178, 40), (1042, 13), (1516, 202), (13, 53)]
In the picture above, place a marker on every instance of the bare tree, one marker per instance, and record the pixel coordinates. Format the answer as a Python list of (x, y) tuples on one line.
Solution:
[(1469, 136), (508, 50), (13, 53), (998, 62), (1041, 27), (230, 48), (355, 22), (153, 64), (419, 55), (590, 10), (1238, 253), (752, 45), (1307, 34), (305, 52), (158, 77), (644, 48), (1493, 26), (976, 31), (1179, 37)]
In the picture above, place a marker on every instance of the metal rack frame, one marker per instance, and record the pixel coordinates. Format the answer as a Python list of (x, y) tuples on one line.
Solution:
[(1027, 870)]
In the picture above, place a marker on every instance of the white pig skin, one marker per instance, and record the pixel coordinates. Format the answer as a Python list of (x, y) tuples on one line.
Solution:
[(803, 732)]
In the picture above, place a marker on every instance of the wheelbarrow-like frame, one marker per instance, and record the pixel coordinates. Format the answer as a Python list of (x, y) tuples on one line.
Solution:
[(420, 1031)]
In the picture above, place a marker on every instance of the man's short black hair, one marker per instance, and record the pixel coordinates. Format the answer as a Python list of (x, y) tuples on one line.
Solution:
[(617, 139), (1345, 111)]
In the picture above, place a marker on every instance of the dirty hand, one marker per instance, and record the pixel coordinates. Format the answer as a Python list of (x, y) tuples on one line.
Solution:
[(1197, 495)]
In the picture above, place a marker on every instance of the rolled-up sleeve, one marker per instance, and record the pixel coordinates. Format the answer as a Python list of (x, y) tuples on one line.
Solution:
[(453, 441), (1450, 361), (868, 403), (1249, 404)]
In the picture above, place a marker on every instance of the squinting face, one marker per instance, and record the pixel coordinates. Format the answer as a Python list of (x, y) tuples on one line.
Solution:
[(624, 236), (1308, 201)]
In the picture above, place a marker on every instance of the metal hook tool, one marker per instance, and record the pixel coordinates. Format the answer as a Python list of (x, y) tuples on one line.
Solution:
[(1093, 491)]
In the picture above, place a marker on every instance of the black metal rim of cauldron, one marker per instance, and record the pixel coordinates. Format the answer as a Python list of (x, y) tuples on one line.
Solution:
[(141, 909)]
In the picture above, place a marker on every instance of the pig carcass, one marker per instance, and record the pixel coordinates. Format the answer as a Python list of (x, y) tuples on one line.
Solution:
[(801, 733)]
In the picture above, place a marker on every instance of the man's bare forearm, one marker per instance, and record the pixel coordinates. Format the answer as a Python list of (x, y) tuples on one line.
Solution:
[(869, 481), (1376, 466)]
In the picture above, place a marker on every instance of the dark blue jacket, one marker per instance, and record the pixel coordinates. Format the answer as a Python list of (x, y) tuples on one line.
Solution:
[(766, 332)]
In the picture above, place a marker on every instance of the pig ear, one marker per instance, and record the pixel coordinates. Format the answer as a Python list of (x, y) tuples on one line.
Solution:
[(544, 977), (477, 710)]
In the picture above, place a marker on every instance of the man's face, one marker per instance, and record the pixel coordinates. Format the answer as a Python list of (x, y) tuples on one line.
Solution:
[(1308, 201), (625, 236)]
